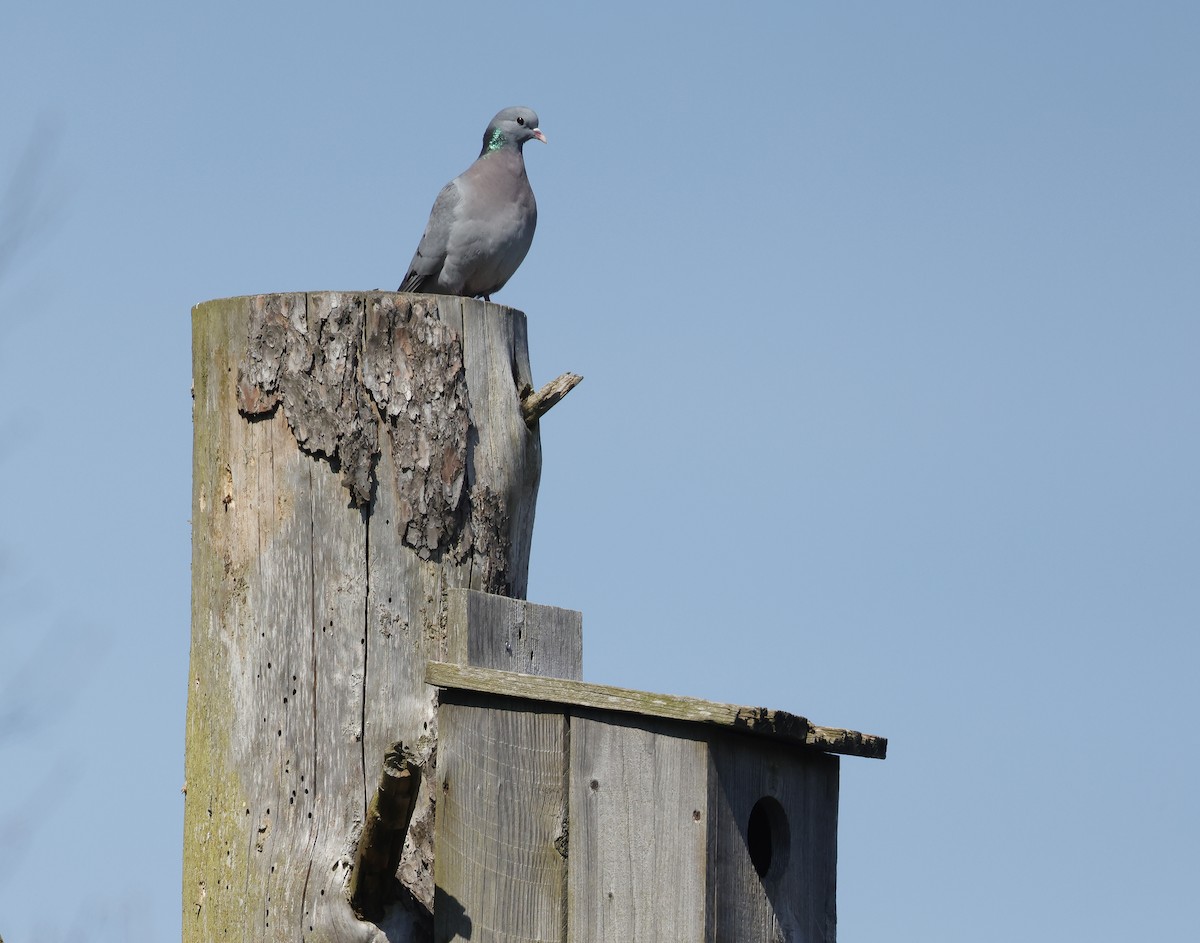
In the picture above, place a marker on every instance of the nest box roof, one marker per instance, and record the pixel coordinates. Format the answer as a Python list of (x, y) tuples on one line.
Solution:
[(759, 721)]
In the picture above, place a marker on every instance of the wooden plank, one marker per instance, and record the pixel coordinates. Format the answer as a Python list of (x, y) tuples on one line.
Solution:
[(638, 812), (501, 813), (486, 631), (794, 840), (760, 721)]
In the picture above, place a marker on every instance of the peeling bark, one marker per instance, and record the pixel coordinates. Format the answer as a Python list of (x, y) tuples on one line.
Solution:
[(351, 371), (308, 361), (413, 370)]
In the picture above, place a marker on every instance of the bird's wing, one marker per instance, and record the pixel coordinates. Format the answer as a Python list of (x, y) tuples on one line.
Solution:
[(427, 261)]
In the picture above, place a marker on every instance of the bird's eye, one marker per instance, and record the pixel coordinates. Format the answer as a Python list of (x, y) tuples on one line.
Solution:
[(521, 121)]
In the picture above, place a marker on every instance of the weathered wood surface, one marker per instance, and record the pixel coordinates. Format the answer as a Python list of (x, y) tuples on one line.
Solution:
[(795, 899), (760, 721), (673, 830), (503, 799), (487, 631), (638, 827), (320, 581), (503, 777)]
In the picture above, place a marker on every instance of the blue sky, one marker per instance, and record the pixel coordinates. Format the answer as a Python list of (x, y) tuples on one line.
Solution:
[(889, 316)]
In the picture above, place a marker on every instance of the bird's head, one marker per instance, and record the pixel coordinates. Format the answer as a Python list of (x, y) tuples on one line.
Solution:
[(512, 128)]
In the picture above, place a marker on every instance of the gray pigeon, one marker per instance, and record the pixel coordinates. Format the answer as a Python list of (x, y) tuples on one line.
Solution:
[(482, 222)]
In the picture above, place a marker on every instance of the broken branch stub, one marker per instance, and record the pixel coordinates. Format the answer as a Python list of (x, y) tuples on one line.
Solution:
[(382, 840), (535, 405)]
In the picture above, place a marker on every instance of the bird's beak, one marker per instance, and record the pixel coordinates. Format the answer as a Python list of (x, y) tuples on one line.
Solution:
[(537, 133)]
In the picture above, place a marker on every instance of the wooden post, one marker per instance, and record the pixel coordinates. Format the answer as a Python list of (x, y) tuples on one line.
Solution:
[(357, 456)]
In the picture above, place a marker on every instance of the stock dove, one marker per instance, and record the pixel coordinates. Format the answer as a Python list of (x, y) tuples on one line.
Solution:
[(482, 222)]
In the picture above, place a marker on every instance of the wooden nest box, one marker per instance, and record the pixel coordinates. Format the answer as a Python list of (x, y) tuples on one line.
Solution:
[(579, 812)]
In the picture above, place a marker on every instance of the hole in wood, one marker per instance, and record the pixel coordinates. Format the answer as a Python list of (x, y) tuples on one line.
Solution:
[(768, 838)]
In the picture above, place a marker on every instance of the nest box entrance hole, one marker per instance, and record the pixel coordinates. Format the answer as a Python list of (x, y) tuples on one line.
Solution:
[(768, 838)]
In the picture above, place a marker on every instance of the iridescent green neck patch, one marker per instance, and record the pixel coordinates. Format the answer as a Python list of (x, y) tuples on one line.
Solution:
[(496, 141)]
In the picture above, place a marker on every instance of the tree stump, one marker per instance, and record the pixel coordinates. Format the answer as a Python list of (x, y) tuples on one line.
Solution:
[(357, 456)]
